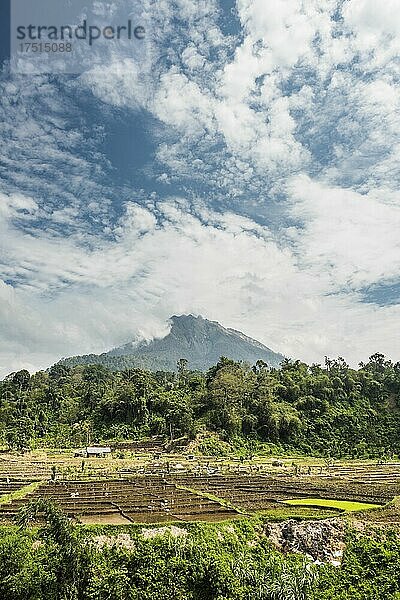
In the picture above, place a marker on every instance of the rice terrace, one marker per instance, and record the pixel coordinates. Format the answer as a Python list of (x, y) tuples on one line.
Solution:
[(236, 483), (185, 488)]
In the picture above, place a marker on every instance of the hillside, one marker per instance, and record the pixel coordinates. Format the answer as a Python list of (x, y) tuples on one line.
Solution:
[(199, 340)]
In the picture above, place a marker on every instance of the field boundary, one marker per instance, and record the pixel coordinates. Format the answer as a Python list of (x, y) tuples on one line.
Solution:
[(213, 498), (20, 493)]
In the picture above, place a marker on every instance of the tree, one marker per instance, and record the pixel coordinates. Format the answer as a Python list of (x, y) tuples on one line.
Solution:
[(71, 557)]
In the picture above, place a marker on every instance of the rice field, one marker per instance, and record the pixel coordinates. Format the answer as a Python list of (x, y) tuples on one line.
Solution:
[(173, 488), (342, 505)]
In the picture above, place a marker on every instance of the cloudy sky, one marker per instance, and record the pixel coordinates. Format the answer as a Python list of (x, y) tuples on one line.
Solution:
[(247, 172)]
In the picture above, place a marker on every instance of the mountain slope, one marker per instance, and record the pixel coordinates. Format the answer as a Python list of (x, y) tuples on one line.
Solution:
[(200, 341)]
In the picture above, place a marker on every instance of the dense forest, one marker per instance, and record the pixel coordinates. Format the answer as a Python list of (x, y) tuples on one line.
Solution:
[(330, 410), (226, 561)]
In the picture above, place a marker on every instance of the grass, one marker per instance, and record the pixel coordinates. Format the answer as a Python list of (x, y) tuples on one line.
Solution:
[(20, 493), (342, 505), (298, 513), (213, 498)]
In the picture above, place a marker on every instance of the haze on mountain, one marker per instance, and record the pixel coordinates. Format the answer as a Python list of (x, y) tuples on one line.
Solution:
[(200, 341)]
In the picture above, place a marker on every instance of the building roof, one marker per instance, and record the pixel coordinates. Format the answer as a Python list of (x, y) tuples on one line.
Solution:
[(98, 449)]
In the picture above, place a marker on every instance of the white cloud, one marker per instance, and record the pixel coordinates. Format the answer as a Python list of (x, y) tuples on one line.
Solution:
[(44, 153), (192, 58), (287, 28), (180, 102), (376, 29), (349, 239), (165, 260), (120, 83), (246, 103), (274, 116)]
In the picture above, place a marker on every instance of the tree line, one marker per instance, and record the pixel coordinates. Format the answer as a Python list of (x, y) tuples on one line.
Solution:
[(329, 410)]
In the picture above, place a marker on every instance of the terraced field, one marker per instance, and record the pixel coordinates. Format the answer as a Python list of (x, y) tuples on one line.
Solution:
[(257, 493), (120, 501), (23, 470), (11, 486), (158, 499), (388, 473), (103, 495)]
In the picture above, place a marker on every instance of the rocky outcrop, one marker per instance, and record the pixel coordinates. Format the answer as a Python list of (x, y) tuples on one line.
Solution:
[(322, 541)]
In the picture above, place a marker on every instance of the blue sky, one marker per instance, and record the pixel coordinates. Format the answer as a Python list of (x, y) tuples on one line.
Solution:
[(248, 172)]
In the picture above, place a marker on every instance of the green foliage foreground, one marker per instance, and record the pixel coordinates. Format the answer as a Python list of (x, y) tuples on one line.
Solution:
[(226, 561), (322, 410)]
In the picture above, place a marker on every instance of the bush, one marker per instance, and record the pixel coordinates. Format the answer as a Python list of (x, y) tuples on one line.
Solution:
[(212, 445)]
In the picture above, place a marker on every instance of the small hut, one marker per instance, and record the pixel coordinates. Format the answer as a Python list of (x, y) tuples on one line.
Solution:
[(94, 451), (99, 451)]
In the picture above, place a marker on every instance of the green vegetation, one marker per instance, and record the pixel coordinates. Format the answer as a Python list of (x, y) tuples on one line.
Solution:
[(213, 497), (370, 570), (225, 561), (343, 505), (330, 410), (20, 493), (298, 513)]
